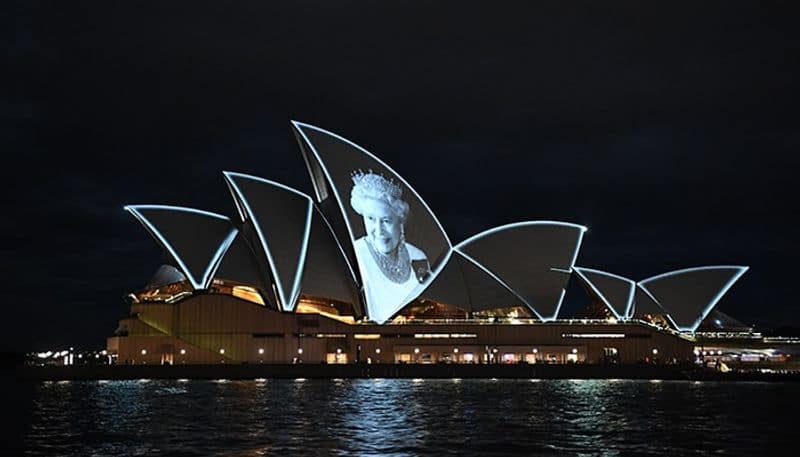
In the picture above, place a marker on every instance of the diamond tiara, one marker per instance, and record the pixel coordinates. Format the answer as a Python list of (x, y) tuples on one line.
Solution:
[(371, 183)]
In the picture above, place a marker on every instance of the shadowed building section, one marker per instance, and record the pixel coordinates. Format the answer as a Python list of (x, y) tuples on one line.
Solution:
[(534, 259), (327, 273), (647, 308), (689, 295), (615, 292), (197, 256), (166, 274), (717, 321), (470, 287), (281, 220), (240, 266)]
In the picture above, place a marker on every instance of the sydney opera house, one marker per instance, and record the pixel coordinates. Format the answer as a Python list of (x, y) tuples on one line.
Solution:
[(362, 271)]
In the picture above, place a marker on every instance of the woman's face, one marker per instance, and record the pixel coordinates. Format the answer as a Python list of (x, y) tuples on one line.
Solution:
[(382, 225)]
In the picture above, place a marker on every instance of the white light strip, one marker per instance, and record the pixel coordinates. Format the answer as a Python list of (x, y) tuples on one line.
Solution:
[(592, 335), (597, 292), (211, 268), (518, 224), (666, 314), (740, 270), (558, 306), (287, 302), (299, 126)]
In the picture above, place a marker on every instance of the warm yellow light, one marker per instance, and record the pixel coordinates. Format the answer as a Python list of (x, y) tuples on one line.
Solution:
[(261, 350), (144, 351), (300, 350), (247, 293), (221, 351), (416, 350), (366, 336), (377, 350), (183, 351), (455, 350)]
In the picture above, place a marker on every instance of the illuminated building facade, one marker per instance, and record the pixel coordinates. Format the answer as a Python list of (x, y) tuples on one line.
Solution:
[(362, 271)]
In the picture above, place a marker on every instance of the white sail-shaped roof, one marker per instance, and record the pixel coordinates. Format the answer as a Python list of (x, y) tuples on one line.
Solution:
[(616, 292), (689, 295), (335, 164), (534, 259), (197, 256), (281, 218)]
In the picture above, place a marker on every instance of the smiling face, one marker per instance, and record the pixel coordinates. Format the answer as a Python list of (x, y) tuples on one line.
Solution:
[(382, 225)]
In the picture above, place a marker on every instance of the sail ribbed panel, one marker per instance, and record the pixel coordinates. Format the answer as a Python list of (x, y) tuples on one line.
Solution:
[(281, 218), (469, 286), (166, 274), (195, 240), (689, 295), (389, 235), (326, 272), (240, 265), (614, 291), (534, 259), (645, 305)]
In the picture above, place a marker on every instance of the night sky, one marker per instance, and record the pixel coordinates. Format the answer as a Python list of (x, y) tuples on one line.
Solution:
[(670, 130)]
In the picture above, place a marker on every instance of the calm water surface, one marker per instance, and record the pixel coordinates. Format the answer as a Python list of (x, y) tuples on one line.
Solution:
[(403, 417)]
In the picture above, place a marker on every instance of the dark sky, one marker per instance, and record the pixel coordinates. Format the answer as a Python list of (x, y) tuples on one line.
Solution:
[(670, 130)]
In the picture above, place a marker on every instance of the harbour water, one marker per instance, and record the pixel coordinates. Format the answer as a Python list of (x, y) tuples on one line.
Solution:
[(401, 417)]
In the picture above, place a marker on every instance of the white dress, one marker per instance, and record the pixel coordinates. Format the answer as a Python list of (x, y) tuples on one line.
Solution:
[(384, 296)]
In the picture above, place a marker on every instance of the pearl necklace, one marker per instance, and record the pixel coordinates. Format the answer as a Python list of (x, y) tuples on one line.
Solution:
[(396, 268)]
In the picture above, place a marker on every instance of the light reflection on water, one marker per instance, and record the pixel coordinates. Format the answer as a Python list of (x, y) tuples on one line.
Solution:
[(403, 417)]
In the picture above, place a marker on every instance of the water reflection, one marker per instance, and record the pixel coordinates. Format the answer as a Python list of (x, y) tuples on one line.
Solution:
[(406, 417)]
